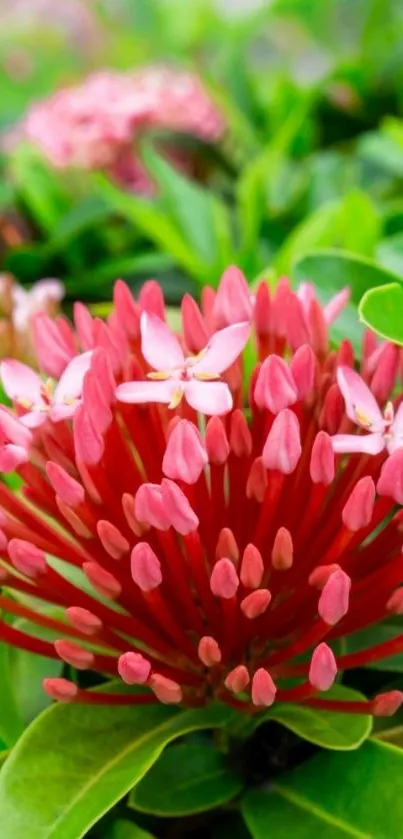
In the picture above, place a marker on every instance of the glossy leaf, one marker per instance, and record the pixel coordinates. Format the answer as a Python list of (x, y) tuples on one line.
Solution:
[(11, 722), (75, 762), (341, 732), (188, 778), (389, 253), (334, 796), (381, 310), (124, 829), (27, 673), (378, 634)]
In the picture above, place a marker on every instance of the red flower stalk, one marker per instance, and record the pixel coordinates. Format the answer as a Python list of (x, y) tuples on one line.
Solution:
[(186, 545)]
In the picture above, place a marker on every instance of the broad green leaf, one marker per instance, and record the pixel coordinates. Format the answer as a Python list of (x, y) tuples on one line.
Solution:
[(318, 230), (188, 778), (360, 237), (39, 188), (86, 213), (147, 217), (27, 673), (389, 254), (124, 829), (356, 795), (383, 151), (3, 756), (199, 216), (11, 722), (341, 732), (381, 309), (75, 762), (378, 634), (332, 270), (142, 265)]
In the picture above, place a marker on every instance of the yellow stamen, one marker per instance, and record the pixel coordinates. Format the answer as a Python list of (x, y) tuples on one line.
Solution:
[(193, 359), (25, 403), (363, 419), (206, 377), (176, 398), (159, 376)]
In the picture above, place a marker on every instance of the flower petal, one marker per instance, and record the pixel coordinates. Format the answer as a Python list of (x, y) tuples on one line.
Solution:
[(12, 456), (20, 382), (211, 398), (159, 345), (335, 306), (223, 349), (33, 419), (396, 432), (361, 405), (139, 392), (71, 381), (364, 443)]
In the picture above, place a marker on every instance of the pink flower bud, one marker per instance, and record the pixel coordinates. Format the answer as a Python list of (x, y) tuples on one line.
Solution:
[(145, 567), (282, 449), (357, 512), (395, 602), (73, 654), (115, 544), (383, 380), (295, 320), (185, 455), (67, 488), (320, 575), (322, 467), (151, 299), (323, 668), (102, 581), (275, 388), (224, 580), (194, 326), (84, 620), (226, 545), (177, 507), (240, 436), (88, 443), (283, 550), (386, 704), (60, 689), (128, 505), (209, 651), (334, 599), (133, 668), (166, 690), (52, 349), (149, 507), (27, 558), (263, 689), (252, 567), (216, 441), (263, 309), (95, 403), (256, 603), (302, 367), (390, 483), (237, 679), (127, 311), (232, 302), (257, 481), (83, 322)]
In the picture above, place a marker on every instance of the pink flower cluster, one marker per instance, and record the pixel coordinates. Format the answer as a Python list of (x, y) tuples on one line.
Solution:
[(18, 308), (96, 124), (225, 545)]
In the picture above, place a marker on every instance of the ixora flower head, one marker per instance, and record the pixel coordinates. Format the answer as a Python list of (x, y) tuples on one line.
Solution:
[(224, 548)]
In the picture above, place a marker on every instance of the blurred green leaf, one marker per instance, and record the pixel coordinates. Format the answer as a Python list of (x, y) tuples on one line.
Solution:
[(334, 796), (389, 254), (27, 673), (318, 230), (187, 778), (341, 732), (379, 634), (11, 722), (332, 270), (124, 829), (75, 762), (381, 310), (39, 187)]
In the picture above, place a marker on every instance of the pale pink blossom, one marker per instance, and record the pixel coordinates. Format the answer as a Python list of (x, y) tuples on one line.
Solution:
[(40, 298), (385, 429), (194, 377), (42, 399)]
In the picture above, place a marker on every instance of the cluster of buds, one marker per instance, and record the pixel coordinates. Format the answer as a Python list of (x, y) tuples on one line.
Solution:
[(18, 308), (174, 537), (96, 125)]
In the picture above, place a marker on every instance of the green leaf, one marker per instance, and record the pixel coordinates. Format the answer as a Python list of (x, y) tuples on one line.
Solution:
[(378, 634), (318, 230), (361, 223), (11, 722), (332, 270), (389, 254), (86, 213), (334, 796), (39, 188), (75, 762), (381, 310), (341, 732), (123, 829), (188, 778), (27, 673)]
